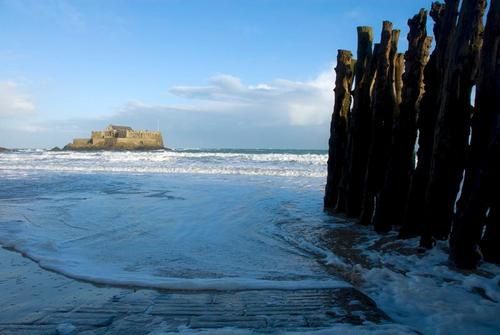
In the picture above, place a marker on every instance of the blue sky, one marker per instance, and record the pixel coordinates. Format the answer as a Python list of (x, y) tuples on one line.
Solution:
[(252, 74)]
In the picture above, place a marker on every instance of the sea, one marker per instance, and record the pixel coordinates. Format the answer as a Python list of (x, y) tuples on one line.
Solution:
[(226, 220), (182, 219)]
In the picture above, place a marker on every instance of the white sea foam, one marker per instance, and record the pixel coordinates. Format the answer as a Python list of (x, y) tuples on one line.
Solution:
[(424, 292), (229, 224), (266, 163), (428, 295)]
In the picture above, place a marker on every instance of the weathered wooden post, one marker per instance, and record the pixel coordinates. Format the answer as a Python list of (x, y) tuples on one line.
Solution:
[(490, 242), (395, 72), (392, 199), (482, 208), (444, 16), (452, 124), (338, 127), (481, 184), (382, 114), (359, 128), (398, 77)]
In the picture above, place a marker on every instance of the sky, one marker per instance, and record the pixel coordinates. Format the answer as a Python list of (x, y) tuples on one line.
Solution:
[(208, 74)]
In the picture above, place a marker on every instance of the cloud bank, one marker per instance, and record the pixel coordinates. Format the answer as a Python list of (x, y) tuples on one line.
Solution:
[(295, 103), (223, 113), (226, 112), (14, 102)]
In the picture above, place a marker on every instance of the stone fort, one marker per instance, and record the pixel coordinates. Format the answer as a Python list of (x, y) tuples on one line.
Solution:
[(116, 137)]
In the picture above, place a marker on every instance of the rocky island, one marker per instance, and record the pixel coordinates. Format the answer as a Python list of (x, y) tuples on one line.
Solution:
[(119, 138)]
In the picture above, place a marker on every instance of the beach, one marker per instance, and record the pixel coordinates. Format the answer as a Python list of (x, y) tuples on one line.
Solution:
[(214, 241), (36, 301)]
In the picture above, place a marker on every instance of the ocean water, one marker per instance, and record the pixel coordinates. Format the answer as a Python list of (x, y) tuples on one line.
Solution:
[(224, 220), (188, 219)]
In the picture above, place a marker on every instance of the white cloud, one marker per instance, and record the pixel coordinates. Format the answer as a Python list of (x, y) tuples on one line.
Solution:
[(226, 112), (13, 102), (299, 103), (227, 82)]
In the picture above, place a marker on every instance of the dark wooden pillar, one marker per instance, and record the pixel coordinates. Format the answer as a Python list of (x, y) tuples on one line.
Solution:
[(382, 114), (359, 126), (444, 16), (490, 242), (338, 127), (398, 77), (452, 124), (392, 199), (479, 202), (483, 207)]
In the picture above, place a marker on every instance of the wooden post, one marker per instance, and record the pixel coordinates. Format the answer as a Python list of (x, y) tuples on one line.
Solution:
[(444, 16), (452, 124), (392, 199), (490, 242), (483, 207), (382, 113), (481, 184), (398, 77), (359, 127), (340, 206), (338, 126)]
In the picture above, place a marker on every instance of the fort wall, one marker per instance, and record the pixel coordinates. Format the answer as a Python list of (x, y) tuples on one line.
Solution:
[(81, 141), (97, 134), (144, 134)]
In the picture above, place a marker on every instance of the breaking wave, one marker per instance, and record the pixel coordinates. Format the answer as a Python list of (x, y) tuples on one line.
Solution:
[(294, 163), (191, 219)]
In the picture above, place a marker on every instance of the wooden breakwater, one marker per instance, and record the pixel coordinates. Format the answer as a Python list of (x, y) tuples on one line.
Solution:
[(408, 141)]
